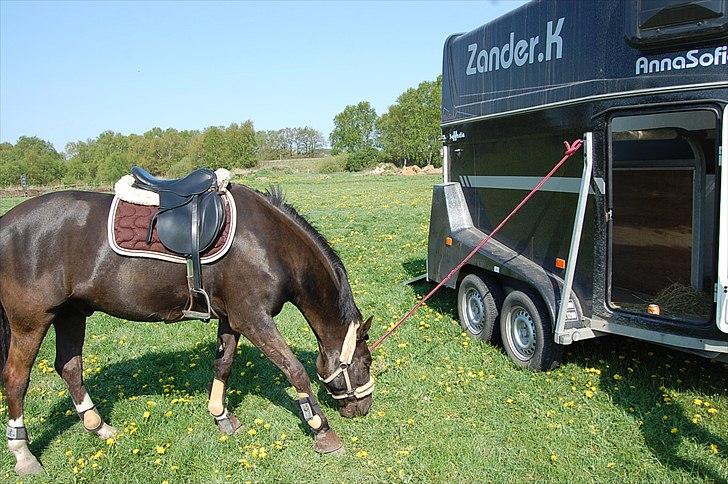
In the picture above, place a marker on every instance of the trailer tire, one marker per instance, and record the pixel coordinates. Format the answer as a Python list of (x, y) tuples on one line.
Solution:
[(527, 332), (478, 303)]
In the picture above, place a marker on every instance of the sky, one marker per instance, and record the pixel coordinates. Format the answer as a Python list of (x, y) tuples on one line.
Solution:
[(69, 71)]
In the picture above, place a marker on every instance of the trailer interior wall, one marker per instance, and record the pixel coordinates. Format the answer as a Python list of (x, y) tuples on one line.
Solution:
[(663, 212)]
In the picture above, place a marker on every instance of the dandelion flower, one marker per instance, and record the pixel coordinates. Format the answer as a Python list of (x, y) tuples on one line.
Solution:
[(160, 449), (674, 430), (362, 454)]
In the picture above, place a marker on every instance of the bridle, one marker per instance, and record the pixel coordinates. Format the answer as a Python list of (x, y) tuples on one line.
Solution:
[(345, 358)]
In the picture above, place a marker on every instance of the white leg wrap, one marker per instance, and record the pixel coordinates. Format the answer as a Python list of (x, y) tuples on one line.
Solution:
[(85, 404), (216, 403), (18, 422)]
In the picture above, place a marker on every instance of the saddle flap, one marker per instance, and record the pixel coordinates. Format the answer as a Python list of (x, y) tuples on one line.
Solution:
[(175, 226)]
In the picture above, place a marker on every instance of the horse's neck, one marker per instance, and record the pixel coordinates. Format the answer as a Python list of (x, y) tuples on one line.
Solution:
[(314, 284), (319, 302)]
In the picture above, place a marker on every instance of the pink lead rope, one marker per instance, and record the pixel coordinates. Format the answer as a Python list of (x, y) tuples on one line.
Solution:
[(570, 150)]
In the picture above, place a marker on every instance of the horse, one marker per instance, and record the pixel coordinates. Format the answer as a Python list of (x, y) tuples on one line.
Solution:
[(57, 268)]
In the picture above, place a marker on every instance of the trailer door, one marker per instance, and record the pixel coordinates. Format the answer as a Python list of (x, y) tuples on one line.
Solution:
[(721, 298)]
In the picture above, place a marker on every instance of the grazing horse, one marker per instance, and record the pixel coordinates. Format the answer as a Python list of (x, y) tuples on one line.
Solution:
[(57, 268)]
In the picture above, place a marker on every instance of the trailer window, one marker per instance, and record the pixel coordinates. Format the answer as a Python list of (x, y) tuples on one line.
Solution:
[(674, 22), (663, 228)]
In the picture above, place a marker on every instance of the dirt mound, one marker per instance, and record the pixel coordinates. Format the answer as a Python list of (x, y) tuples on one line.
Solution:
[(431, 170), (383, 169), (416, 170), (410, 170)]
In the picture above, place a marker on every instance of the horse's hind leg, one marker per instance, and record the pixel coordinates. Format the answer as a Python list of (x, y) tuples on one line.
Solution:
[(70, 326), (227, 342), (25, 342), (265, 335)]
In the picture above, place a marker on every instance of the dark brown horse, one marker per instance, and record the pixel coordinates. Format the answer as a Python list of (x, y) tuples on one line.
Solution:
[(56, 268)]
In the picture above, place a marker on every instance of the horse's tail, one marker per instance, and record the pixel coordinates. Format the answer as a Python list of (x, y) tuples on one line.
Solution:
[(4, 338)]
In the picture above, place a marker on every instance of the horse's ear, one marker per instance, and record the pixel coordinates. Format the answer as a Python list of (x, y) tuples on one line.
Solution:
[(364, 328)]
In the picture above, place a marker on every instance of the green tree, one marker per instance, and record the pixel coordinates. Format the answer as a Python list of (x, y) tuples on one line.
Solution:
[(410, 129), (30, 156), (354, 129)]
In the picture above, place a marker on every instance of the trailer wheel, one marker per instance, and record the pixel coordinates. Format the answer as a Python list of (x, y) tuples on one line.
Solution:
[(527, 333), (478, 307)]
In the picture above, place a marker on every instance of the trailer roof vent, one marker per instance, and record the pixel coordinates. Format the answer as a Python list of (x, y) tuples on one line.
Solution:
[(655, 23)]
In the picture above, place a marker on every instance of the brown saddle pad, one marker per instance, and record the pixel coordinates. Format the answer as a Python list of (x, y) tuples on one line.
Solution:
[(129, 223)]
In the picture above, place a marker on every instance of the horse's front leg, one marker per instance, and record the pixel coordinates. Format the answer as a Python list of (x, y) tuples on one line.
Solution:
[(265, 335), (227, 342)]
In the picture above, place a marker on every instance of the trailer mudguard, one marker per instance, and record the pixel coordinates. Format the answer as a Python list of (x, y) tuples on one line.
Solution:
[(451, 223)]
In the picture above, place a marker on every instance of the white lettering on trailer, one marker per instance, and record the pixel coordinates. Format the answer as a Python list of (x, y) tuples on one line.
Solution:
[(517, 52), (691, 59)]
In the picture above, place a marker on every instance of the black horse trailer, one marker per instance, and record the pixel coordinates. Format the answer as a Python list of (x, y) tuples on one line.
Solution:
[(636, 232)]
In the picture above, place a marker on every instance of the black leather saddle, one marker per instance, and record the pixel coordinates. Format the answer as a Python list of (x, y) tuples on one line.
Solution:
[(190, 217)]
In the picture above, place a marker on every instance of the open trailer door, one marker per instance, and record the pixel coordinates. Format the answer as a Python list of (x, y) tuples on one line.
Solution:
[(721, 299)]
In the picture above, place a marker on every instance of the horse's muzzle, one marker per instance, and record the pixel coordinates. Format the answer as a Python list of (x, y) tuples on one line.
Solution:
[(352, 407)]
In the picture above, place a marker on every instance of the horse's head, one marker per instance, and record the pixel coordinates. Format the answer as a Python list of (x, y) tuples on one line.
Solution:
[(344, 371)]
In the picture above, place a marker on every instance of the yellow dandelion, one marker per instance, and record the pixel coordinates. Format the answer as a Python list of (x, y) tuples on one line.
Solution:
[(610, 465), (589, 394), (146, 414), (223, 438), (252, 431), (712, 411), (714, 449), (696, 418), (135, 451), (258, 421), (160, 449), (110, 441), (554, 457), (509, 401), (168, 413), (362, 454), (617, 376), (698, 402), (674, 430)]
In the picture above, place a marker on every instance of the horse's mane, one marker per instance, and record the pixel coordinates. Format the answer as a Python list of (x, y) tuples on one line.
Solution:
[(347, 306)]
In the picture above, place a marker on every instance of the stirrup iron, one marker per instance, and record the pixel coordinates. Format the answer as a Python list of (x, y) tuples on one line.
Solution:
[(196, 295)]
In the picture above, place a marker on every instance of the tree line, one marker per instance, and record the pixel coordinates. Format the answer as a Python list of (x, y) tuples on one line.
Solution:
[(408, 133)]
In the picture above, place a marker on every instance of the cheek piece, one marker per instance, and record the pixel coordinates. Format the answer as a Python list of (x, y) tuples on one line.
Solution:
[(345, 358)]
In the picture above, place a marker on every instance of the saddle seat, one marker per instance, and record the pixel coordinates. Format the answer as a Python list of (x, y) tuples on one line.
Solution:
[(190, 217), (199, 181)]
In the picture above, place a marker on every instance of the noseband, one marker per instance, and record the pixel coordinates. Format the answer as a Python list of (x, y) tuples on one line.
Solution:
[(345, 358)]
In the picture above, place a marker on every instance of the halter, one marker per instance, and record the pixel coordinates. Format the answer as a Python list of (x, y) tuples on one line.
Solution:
[(345, 357)]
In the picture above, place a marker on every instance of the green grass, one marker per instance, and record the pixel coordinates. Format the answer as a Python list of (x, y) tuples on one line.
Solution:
[(446, 409)]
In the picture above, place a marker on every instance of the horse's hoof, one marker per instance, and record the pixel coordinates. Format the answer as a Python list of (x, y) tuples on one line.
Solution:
[(229, 426), (328, 443), (29, 467), (106, 431)]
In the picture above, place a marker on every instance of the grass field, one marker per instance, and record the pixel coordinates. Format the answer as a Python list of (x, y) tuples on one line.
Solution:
[(445, 409)]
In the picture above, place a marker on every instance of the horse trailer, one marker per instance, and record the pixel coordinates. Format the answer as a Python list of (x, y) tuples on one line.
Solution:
[(636, 229)]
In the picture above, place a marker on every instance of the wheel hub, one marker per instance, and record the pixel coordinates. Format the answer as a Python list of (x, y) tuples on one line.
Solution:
[(522, 333), (474, 311)]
